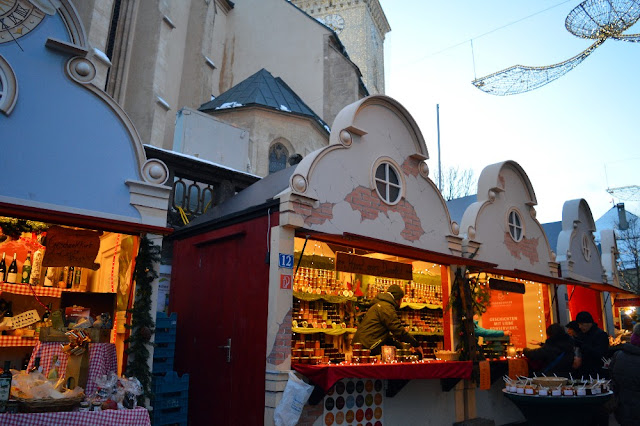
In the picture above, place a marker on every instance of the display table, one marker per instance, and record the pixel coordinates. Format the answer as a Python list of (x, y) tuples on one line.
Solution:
[(559, 410), (326, 376), (135, 417), (102, 360)]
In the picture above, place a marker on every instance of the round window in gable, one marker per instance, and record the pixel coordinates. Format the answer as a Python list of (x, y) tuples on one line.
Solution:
[(388, 183), (516, 228)]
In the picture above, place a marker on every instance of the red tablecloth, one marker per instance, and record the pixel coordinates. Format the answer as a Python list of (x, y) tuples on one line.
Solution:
[(136, 417), (102, 360), (326, 376)]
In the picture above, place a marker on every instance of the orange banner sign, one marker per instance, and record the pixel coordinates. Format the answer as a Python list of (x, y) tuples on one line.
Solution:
[(506, 312)]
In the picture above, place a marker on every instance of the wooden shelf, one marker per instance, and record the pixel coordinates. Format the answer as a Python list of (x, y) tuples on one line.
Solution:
[(329, 331)]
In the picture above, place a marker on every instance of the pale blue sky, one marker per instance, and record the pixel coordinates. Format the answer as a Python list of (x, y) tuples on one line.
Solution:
[(574, 137)]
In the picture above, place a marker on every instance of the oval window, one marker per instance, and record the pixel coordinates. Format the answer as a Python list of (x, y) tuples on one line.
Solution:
[(516, 229), (388, 184)]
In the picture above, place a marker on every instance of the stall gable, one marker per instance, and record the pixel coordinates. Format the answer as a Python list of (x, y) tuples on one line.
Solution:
[(67, 146), (372, 180), (577, 252), (502, 224), (609, 253)]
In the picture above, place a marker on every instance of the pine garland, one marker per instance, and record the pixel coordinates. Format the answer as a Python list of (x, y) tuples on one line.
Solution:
[(142, 324), (13, 228)]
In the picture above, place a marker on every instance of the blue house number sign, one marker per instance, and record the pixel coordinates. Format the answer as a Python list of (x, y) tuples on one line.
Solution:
[(285, 261)]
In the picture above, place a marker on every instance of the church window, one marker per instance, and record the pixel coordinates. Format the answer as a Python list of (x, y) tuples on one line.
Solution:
[(278, 156)]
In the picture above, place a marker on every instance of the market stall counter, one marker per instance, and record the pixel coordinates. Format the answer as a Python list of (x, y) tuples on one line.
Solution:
[(136, 417), (326, 376)]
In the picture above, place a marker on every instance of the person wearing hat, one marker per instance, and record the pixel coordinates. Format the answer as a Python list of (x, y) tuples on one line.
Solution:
[(381, 324), (593, 343)]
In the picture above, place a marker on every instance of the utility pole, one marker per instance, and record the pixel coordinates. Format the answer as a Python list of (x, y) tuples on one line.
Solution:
[(439, 164)]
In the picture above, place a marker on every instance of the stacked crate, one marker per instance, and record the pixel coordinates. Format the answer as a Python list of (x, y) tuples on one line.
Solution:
[(171, 393), (165, 343)]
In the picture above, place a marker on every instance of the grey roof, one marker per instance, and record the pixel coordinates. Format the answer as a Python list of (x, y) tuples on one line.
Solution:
[(259, 194), (553, 229), (457, 206), (264, 90)]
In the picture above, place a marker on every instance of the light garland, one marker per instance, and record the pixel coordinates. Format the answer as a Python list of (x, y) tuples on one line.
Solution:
[(113, 268)]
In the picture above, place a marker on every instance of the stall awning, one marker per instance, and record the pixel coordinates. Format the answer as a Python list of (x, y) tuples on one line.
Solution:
[(531, 276), (85, 221), (373, 244), (601, 287)]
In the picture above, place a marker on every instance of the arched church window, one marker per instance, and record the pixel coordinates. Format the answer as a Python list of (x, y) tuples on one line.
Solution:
[(278, 156)]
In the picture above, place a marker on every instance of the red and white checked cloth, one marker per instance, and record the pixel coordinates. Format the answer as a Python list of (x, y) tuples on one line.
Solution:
[(136, 417), (102, 360)]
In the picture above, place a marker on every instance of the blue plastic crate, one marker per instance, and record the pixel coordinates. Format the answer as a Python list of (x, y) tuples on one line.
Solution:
[(164, 403), (164, 350), (162, 365), (169, 417), (168, 336), (170, 383), (164, 321)]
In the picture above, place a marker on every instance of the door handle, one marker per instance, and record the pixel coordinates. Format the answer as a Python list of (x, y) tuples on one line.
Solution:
[(227, 347)]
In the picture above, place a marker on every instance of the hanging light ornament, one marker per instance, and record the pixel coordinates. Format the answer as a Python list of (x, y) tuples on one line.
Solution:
[(592, 19)]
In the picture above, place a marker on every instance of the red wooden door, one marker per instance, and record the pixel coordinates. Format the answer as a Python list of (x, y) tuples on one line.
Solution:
[(219, 288)]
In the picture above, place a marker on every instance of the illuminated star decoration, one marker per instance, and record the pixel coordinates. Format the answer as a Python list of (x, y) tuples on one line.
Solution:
[(597, 20)]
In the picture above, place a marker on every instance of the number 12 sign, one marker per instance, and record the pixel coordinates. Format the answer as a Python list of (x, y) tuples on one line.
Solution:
[(285, 260)]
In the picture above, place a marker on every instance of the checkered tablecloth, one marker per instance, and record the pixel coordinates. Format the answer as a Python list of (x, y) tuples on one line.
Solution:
[(135, 417), (102, 360), (26, 291)]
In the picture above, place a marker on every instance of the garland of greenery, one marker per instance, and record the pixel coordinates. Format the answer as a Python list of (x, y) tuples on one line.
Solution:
[(142, 324), (13, 228)]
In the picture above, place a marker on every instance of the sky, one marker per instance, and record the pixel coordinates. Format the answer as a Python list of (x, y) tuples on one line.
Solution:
[(575, 137)]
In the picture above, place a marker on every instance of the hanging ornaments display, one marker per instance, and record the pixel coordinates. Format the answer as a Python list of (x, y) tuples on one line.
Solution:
[(597, 20)]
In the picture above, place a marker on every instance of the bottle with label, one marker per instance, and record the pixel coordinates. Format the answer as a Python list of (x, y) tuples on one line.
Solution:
[(77, 279), (12, 272), (3, 269), (26, 269), (36, 268), (5, 386), (70, 277), (47, 277)]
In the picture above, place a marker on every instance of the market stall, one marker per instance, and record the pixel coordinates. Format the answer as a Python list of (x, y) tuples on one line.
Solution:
[(79, 205), (307, 249)]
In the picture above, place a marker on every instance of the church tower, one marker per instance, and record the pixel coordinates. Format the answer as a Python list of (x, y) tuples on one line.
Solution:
[(361, 26)]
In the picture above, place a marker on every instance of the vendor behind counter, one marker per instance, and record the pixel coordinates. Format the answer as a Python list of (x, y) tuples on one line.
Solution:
[(381, 325)]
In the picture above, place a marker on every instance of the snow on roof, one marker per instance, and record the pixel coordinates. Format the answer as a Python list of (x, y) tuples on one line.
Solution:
[(200, 160)]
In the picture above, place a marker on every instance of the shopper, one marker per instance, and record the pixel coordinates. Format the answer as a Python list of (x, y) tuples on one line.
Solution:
[(487, 332), (625, 374), (593, 343), (381, 324), (556, 354)]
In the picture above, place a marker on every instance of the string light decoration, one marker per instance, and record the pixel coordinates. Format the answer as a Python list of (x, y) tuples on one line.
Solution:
[(592, 19)]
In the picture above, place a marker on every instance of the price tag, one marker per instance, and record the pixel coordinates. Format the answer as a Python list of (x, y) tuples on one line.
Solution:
[(285, 282), (285, 260)]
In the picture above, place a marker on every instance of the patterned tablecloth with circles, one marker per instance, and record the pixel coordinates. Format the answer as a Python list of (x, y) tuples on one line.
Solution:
[(353, 402)]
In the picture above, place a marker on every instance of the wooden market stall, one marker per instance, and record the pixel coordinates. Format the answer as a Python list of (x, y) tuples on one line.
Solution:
[(77, 194), (293, 259)]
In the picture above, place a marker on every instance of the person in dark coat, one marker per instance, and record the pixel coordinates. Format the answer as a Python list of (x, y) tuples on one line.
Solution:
[(594, 345), (556, 354), (381, 324), (625, 374)]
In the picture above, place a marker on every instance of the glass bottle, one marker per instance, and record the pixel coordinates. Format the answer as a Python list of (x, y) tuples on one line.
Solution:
[(5, 386), (26, 269), (3, 269), (12, 272), (70, 277)]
